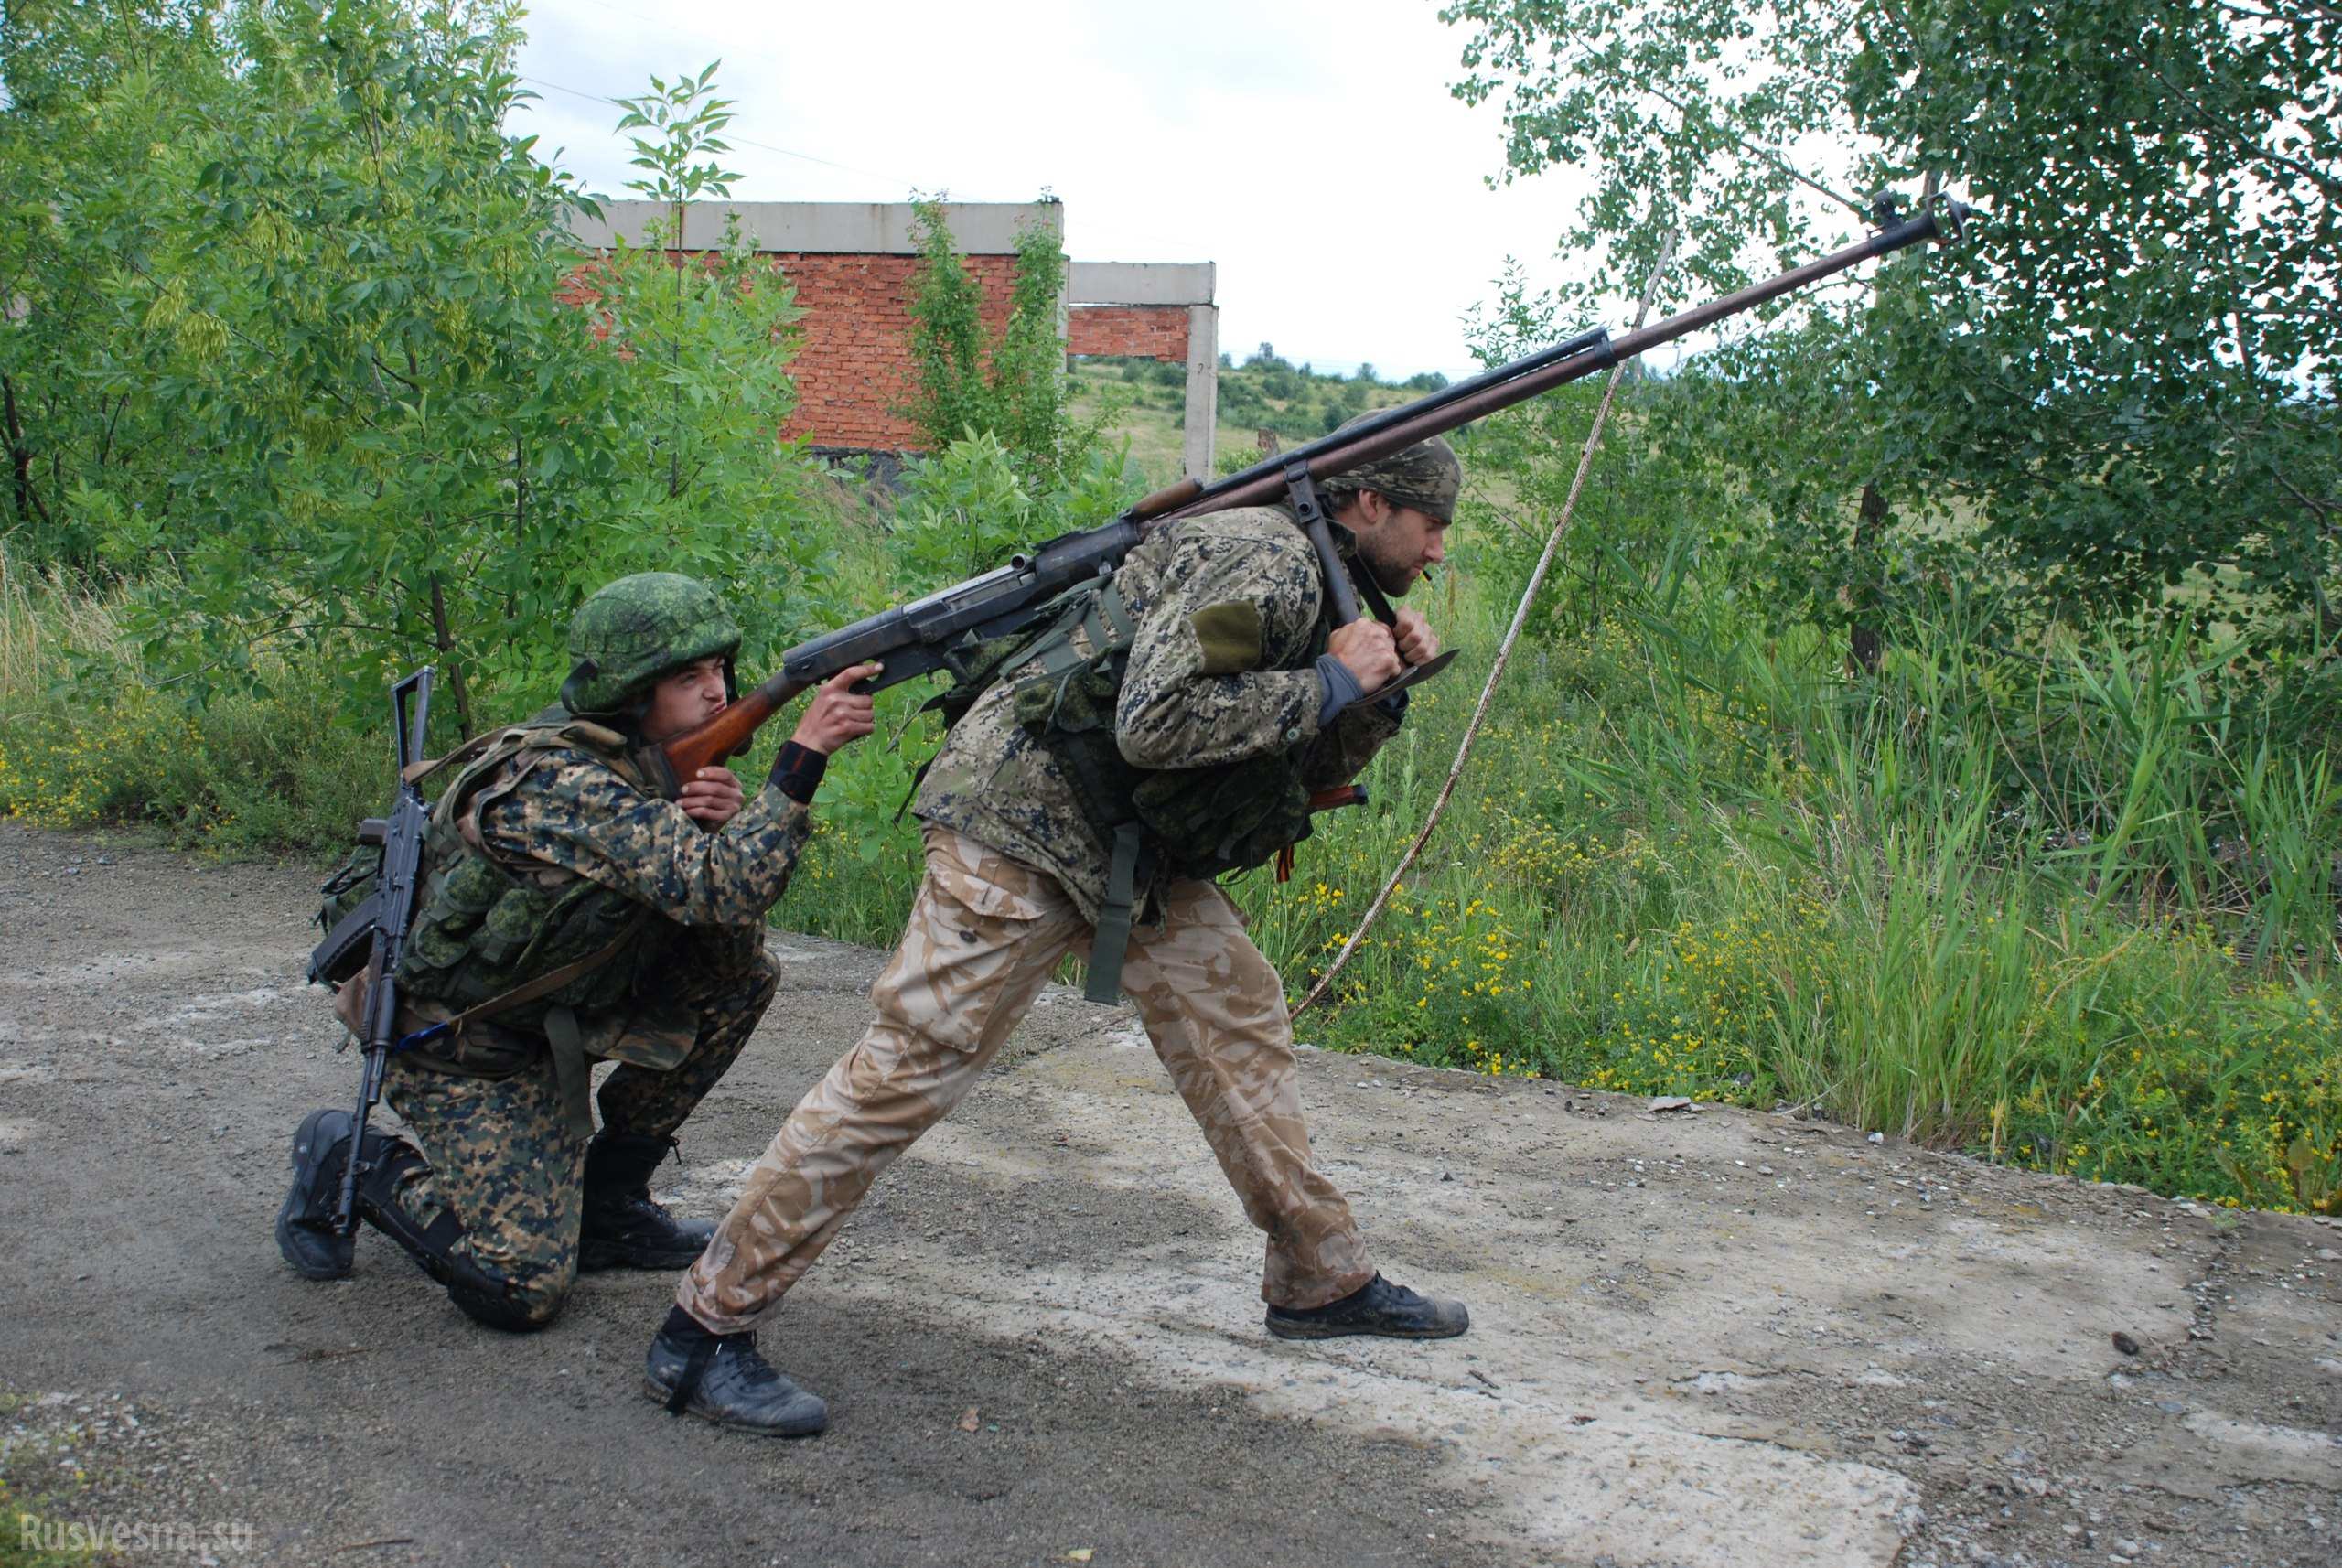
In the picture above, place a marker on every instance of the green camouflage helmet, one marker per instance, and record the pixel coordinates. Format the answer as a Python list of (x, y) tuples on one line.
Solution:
[(1425, 477), (636, 629)]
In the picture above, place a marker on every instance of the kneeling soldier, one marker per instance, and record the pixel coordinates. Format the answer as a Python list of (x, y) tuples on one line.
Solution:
[(549, 855)]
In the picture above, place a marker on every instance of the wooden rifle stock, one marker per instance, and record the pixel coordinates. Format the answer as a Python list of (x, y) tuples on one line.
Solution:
[(726, 734), (1337, 798)]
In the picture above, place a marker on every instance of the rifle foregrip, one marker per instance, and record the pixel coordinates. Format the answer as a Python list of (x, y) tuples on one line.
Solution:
[(1166, 498)]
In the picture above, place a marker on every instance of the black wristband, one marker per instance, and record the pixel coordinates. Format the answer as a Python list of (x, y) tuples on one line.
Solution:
[(796, 772)]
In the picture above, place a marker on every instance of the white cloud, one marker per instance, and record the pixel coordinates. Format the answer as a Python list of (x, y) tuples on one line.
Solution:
[(1309, 147)]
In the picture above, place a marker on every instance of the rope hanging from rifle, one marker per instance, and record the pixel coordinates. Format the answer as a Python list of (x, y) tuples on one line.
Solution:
[(1504, 653)]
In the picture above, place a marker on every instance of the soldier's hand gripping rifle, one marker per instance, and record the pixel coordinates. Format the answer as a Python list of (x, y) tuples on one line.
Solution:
[(381, 921), (939, 631)]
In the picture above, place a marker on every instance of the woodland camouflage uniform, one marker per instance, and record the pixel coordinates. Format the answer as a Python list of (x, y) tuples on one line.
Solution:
[(1229, 623)]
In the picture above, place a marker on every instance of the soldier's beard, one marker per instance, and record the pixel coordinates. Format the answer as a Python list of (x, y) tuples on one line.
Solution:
[(1393, 579)]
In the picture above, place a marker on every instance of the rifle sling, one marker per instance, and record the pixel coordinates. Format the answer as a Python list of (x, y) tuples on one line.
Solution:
[(1132, 868), (1371, 593)]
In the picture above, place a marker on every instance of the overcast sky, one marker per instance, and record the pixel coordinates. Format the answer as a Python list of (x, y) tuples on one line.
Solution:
[(1309, 147)]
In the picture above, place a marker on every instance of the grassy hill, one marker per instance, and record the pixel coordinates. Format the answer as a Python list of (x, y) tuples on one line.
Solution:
[(1146, 400)]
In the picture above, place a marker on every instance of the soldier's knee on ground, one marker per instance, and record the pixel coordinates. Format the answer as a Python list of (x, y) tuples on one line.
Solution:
[(521, 1304)]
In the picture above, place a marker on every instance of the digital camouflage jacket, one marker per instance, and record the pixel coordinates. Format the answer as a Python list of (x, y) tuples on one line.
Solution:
[(1228, 610), (559, 853)]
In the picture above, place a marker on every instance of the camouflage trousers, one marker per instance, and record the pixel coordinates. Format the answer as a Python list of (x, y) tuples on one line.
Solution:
[(984, 934), (507, 1163)]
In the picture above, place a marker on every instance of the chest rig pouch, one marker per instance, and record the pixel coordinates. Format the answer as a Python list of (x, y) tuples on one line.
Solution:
[(488, 941), (1168, 823)]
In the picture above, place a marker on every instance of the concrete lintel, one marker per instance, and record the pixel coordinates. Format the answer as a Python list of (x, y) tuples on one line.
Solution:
[(1143, 282), (826, 228)]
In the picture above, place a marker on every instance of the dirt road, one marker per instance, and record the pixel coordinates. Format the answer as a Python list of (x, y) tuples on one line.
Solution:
[(1702, 1338)]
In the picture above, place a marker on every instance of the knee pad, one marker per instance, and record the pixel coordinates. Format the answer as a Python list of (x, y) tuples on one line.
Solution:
[(500, 1304)]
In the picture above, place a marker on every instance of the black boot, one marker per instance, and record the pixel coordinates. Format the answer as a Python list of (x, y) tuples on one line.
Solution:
[(721, 1378), (623, 1228), (1378, 1307), (305, 1232)]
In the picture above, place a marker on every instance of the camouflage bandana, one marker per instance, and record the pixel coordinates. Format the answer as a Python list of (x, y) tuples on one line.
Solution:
[(1425, 477)]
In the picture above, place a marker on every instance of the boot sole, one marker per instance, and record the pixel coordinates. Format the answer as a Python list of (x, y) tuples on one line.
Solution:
[(652, 1391), (593, 1258), (1359, 1331)]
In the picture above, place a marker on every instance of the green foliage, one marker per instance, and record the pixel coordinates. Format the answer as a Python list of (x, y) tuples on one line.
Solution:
[(947, 337), (2125, 380), (1014, 388), (969, 507), (1299, 403), (310, 368), (1694, 859)]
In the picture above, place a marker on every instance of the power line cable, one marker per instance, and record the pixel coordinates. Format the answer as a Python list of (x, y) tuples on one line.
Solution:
[(736, 137)]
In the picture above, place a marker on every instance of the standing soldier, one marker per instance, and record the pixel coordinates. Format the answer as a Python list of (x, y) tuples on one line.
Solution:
[(573, 915), (1169, 729)]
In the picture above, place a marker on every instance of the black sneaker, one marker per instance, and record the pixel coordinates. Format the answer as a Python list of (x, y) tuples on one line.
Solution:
[(1377, 1307), (721, 1378)]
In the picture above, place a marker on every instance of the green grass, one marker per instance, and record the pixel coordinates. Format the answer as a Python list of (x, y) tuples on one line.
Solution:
[(38, 1481), (2072, 911), (85, 739), (1150, 410), (1993, 906)]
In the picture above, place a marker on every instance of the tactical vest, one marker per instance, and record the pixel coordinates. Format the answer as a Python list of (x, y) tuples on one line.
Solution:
[(482, 933), (1183, 822)]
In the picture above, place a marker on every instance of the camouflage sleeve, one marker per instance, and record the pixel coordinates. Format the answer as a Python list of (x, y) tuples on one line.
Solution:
[(1205, 684), (1342, 751), (575, 813)]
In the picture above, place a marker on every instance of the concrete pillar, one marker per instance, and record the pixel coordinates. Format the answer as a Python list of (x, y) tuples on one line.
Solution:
[(1203, 389)]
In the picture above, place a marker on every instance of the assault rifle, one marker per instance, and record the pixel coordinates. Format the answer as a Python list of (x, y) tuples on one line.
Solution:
[(381, 921), (939, 631)]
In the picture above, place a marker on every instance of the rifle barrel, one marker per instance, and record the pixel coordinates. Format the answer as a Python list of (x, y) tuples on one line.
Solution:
[(1524, 379)]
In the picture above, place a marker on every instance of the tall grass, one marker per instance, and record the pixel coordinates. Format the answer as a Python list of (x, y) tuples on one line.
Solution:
[(2072, 909), (85, 739)]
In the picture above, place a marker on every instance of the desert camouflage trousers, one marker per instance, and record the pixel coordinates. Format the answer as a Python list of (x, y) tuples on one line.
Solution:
[(986, 932), (507, 1164)]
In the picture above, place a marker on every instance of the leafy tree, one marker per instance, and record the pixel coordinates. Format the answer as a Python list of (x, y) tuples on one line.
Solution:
[(88, 89), (296, 335), (2126, 377), (1013, 387)]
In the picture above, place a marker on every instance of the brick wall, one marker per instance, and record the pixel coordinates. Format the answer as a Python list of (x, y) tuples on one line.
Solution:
[(853, 355), (1138, 331)]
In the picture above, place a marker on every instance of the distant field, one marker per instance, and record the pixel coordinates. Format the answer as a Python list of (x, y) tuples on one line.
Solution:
[(1151, 401)]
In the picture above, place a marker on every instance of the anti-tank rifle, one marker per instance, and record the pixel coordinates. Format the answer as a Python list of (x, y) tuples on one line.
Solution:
[(939, 631)]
